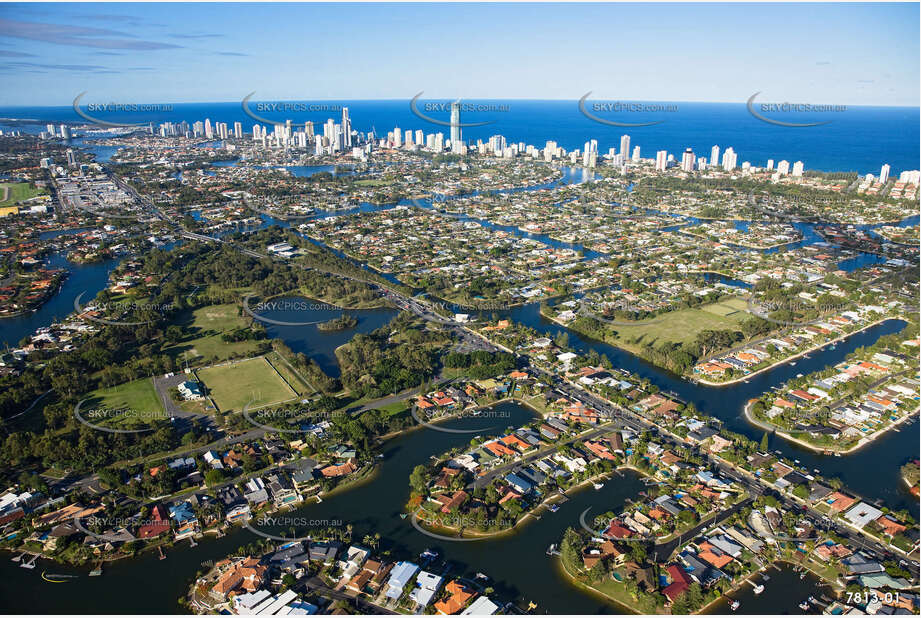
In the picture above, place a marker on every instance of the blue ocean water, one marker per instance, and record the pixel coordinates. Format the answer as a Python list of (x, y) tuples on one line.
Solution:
[(858, 139)]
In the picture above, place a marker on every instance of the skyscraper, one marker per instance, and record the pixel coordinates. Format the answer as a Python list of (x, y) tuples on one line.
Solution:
[(729, 159), (783, 167), (687, 160), (661, 160), (346, 127), (455, 124), (884, 174), (625, 146), (798, 168), (238, 130), (715, 155), (636, 154)]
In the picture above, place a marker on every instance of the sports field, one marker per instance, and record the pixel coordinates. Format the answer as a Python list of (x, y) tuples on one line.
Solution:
[(253, 380)]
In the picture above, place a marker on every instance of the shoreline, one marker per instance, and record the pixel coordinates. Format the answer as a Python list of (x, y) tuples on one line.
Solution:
[(796, 356), (864, 441)]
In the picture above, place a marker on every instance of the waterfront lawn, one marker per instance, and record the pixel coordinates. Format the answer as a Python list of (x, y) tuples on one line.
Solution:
[(204, 345), (683, 325), (138, 396), (253, 380)]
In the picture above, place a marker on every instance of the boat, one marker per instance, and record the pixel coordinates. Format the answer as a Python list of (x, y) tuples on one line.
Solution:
[(793, 363), (552, 550), (553, 508), (802, 575), (597, 485), (804, 606), (428, 556), (734, 605), (758, 589)]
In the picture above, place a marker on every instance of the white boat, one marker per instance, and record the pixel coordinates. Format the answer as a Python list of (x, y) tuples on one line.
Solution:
[(804, 606), (597, 486), (759, 588), (734, 605)]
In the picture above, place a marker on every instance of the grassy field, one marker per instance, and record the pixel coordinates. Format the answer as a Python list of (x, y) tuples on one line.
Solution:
[(295, 379), (252, 380), (684, 325), (138, 398), (13, 192), (205, 345)]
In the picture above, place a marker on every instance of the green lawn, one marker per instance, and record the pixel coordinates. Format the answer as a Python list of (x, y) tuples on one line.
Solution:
[(684, 325), (252, 380), (137, 399), (205, 344), (17, 192)]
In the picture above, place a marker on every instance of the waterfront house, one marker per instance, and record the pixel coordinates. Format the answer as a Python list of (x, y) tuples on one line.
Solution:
[(400, 576)]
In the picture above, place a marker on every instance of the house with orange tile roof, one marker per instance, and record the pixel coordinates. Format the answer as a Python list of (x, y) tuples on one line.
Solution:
[(839, 502), (458, 597)]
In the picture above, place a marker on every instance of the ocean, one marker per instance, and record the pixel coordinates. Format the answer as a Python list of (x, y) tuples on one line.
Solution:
[(859, 139)]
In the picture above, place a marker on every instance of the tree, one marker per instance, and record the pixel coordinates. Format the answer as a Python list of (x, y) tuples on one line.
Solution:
[(764, 443), (418, 480)]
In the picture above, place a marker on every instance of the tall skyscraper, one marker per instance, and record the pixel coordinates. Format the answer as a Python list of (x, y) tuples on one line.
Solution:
[(346, 127), (590, 156), (884, 174), (456, 135), (661, 160), (625, 146), (687, 160), (71, 159), (798, 168), (238, 130), (783, 167), (770, 164), (397, 137), (209, 133), (715, 155), (729, 159)]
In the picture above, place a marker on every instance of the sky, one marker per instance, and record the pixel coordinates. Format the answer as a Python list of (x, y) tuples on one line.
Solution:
[(846, 54)]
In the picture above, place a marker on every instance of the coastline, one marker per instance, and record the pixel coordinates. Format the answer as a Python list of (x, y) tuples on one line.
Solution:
[(747, 376), (864, 441)]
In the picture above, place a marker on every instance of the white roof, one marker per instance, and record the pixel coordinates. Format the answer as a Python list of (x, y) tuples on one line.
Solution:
[(481, 607)]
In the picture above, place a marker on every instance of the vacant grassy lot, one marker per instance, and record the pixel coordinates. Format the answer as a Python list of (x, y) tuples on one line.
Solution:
[(253, 380), (137, 399), (205, 345), (685, 324), (13, 192)]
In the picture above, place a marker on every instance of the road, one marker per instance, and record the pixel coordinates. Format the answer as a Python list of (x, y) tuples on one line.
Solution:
[(755, 486)]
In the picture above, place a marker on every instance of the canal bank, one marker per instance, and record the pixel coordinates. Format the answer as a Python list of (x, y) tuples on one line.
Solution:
[(517, 563)]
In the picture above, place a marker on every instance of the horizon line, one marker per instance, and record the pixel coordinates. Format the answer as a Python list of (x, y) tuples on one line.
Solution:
[(523, 99)]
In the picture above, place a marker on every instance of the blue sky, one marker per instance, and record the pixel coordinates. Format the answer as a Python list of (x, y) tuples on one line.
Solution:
[(854, 54)]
